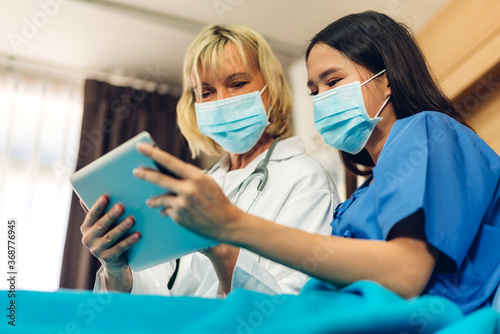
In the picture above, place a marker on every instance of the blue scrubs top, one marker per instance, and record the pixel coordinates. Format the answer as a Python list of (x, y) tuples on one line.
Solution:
[(431, 162)]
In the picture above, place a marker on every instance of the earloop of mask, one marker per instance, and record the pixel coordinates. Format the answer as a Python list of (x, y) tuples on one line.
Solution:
[(386, 100), (383, 105), (376, 75), (269, 111)]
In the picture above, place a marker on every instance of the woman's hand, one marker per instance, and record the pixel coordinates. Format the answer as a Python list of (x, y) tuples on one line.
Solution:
[(223, 258), (194, 201), (103, 242)]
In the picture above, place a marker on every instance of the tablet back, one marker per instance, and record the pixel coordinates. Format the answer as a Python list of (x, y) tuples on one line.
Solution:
[(162, 239)]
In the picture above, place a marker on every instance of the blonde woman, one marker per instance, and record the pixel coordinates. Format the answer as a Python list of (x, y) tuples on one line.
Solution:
[(235, 103)]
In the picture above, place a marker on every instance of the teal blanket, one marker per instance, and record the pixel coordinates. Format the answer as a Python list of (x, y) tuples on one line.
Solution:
[(362, 307)]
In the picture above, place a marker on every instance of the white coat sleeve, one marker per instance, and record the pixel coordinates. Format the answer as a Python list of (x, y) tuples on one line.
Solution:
[(310, 211), (150, 281), (154, 280)]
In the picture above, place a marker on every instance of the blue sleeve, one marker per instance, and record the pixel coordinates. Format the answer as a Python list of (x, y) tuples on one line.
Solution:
[(432, 163)]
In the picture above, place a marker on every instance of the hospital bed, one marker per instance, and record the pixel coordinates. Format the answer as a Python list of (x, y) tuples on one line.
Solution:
[(362, 307)]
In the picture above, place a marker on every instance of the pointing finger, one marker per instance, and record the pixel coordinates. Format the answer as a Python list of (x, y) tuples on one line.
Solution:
[(162, 180), (177, 166)]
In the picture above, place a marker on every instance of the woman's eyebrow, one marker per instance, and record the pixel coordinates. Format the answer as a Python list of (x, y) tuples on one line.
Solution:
[(228, 78), (239, 74), (324, 74), (329, 71)]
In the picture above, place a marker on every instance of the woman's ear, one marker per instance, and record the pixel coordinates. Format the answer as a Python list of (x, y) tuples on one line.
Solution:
[(388, 90)]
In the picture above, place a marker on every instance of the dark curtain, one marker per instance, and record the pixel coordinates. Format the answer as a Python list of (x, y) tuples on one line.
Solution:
[(112, 115)]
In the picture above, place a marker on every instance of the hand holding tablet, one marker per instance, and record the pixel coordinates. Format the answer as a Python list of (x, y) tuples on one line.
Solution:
[(161, 238)]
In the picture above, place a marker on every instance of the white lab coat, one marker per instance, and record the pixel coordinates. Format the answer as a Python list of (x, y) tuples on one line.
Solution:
[(299, 194)]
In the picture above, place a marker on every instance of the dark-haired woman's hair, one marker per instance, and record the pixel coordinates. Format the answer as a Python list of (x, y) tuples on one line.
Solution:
[(376, 42)]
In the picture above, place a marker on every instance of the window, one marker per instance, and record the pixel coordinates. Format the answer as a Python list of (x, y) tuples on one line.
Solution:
[(40, 121)]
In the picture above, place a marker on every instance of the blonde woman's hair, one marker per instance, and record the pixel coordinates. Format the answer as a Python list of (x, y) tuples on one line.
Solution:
[(206, 52)]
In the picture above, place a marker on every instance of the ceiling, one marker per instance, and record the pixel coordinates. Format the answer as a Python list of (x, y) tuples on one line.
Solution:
[(147, 39)]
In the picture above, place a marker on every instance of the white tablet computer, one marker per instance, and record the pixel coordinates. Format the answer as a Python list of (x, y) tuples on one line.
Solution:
[(162, 239)]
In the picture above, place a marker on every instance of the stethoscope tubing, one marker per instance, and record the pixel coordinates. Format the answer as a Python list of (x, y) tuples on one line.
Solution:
[(261, 172)]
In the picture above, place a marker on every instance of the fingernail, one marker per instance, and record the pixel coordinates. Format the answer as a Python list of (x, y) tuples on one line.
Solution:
[(135, 237), (137, 172), (101, 200), (149, 202), (117, 210), (128, 222)]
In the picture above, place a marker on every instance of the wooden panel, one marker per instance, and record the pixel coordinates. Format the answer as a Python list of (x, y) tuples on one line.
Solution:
[(484, 103), (462, 44), (458, 31), (467, 72)]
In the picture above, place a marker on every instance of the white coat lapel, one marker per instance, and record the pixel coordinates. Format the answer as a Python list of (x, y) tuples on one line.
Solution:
[(230, 181)]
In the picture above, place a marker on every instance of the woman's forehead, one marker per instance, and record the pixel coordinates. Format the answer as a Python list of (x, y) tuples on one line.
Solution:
[(223, 66), (322, 52)]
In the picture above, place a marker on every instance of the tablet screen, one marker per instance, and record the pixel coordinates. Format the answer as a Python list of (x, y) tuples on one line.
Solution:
[(162, 239)]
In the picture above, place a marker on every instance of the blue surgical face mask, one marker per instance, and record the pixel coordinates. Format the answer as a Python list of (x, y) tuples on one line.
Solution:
[(340, 117), (235, 123)]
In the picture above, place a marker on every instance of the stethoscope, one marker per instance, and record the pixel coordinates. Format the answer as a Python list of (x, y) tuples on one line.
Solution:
[(261, 172)]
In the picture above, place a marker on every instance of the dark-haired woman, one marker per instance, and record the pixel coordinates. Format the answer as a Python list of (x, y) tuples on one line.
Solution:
[(425, 222)]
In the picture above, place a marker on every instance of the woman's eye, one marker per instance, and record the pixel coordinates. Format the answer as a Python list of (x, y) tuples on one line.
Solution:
[(313, 92), (332, 83), (205, 94), (239, 84)]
